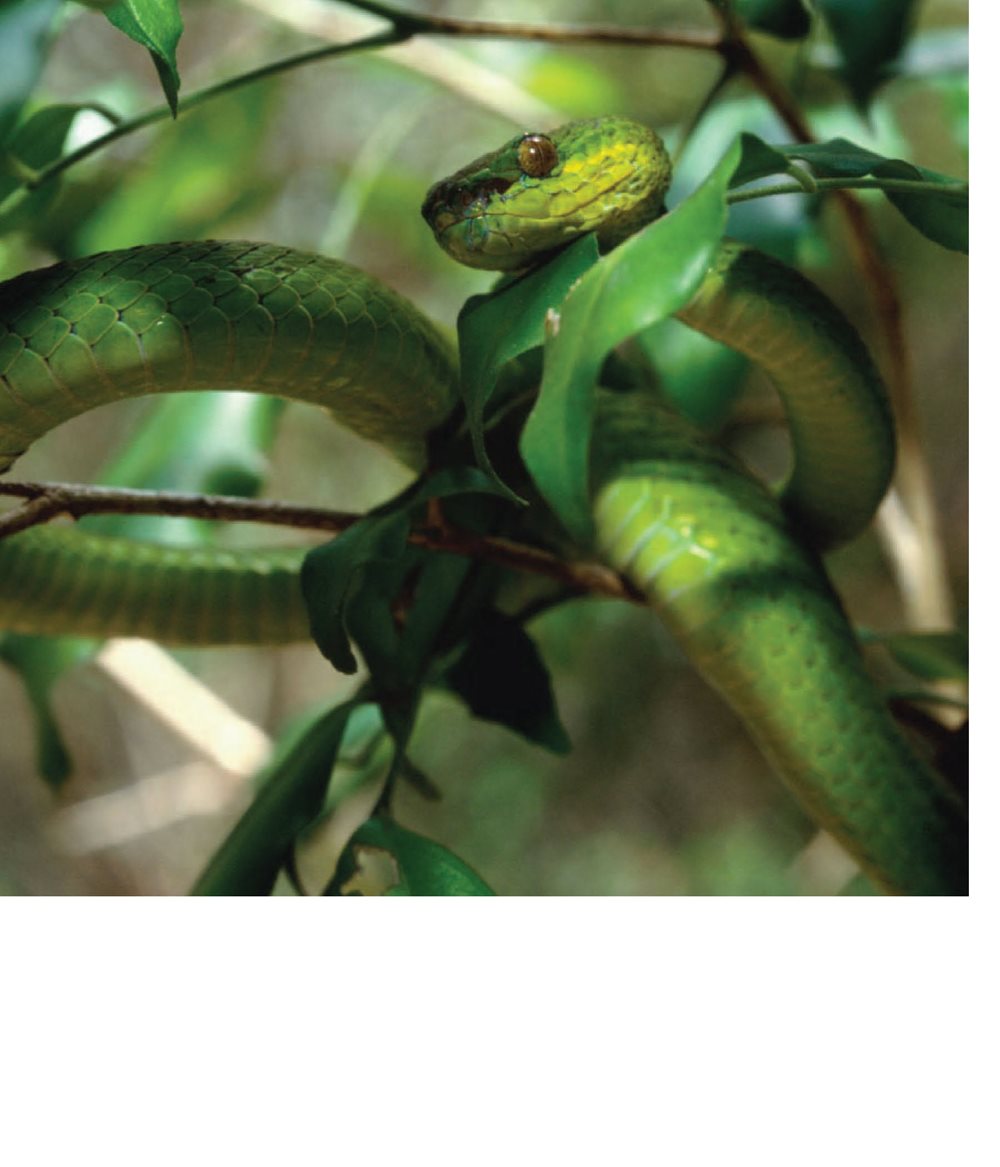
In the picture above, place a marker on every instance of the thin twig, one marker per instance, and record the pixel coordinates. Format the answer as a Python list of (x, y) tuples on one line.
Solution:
[(161, 113), (426, 25), (50, 499), (902, 185)]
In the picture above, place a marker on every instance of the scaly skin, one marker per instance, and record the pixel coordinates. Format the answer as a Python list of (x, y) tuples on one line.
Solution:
[(173, 317), (721, 560), (753, 610)]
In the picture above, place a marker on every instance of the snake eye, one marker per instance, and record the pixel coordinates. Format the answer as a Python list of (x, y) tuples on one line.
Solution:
[(537, 155)]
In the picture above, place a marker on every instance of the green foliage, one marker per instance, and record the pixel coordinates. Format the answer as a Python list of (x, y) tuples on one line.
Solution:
[(787, 19), (941, 212), (157, 26), (341, 579), (501, 677), (421, 867), (496, 328), (869, 37), (292, 791)]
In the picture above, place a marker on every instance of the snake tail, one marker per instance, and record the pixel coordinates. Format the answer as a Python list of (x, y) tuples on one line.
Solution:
[(753, 609)]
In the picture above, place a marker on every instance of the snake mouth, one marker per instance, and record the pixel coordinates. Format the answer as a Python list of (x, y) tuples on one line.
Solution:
[(450, 203)]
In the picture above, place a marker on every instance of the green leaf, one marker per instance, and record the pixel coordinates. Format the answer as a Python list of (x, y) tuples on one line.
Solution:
[(337, 573), (24, 26), (501, 677), (292, 789), (157, 26), (40, 661), (757, 160), (869, 36), (333, 573), (943, 216), (495, 328), (788, 19), (35, 143), (419, 866), (437, 586), (934, 656), (643, 281), (39, 140)]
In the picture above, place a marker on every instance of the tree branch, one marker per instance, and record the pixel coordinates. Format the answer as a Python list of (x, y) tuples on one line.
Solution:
[(48, 500), (424, 25)]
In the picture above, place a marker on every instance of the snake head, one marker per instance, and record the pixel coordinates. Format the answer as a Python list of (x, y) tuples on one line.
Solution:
[(513, 207)]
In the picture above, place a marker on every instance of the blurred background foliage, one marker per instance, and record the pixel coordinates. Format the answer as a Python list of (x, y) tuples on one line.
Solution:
[(663, 793)]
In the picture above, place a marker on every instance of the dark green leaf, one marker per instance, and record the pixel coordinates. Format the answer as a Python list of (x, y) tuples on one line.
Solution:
[(840, 158), (494, 329), (757, 160), (24, 26), (437, 586), (39, 140), (332, 574), (41, 661), (943, 216), (788, 19), (419, 866), (501, 676), (157, 26), (869, 36), (337, 573), (292, 788), (644, 280)]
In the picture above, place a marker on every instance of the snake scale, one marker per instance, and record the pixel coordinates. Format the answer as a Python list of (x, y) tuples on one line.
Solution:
[(730, 566)]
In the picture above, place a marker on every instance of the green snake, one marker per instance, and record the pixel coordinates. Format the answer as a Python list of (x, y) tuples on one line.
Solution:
[(730, 566)]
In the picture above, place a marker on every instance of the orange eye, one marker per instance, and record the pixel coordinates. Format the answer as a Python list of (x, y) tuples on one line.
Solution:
[(537, 155)]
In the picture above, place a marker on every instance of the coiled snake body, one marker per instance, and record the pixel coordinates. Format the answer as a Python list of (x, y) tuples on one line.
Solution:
[(719, 556)]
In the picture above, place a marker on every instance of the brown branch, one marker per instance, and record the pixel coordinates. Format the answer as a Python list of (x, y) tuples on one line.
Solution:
[(47, 500), (414, 24), (50, 499)]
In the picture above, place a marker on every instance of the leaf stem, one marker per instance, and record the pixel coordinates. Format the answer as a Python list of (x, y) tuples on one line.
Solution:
[(903, 185)]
